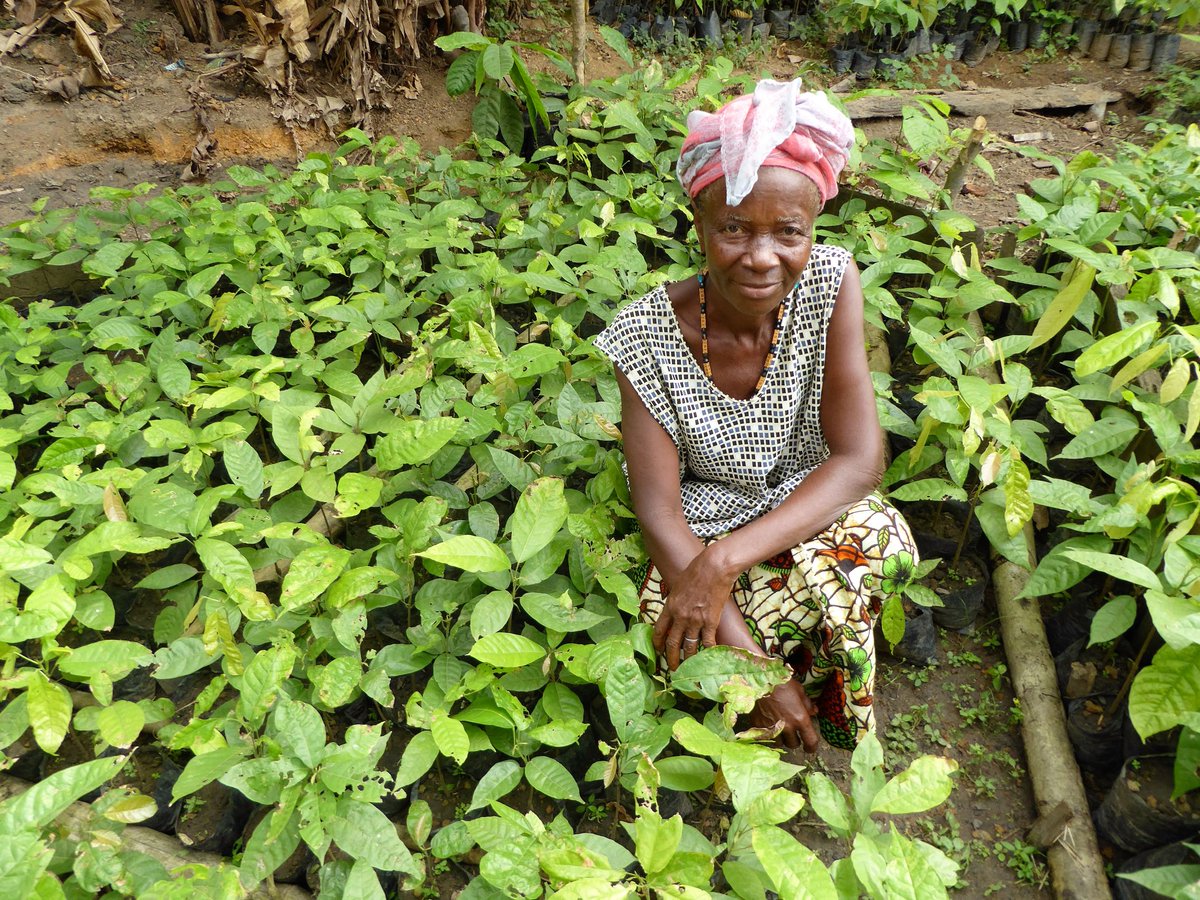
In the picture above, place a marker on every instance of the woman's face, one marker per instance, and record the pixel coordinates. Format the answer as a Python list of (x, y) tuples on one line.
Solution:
[(757, 249)]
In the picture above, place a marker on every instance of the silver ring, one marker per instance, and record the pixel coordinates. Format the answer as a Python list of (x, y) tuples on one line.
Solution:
[(691, 640)]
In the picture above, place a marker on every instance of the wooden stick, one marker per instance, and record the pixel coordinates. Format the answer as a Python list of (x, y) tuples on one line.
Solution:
[(1076, 867), (957, 175), (579, 38), (164, 848)]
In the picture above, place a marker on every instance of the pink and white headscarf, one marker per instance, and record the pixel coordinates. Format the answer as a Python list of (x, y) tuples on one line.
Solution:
[(777, 125)]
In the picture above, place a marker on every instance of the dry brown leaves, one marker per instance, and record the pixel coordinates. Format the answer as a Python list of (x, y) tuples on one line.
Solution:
[(81, 16), (204, 107)]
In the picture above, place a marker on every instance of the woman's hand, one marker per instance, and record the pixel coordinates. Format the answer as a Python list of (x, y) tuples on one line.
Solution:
[(691, 611), (790, 706)]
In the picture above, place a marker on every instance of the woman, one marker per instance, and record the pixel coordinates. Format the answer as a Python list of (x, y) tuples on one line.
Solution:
[(750, 430)]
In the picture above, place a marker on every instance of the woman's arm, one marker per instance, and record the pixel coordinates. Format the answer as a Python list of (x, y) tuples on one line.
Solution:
[(701, 578), (691, 588)]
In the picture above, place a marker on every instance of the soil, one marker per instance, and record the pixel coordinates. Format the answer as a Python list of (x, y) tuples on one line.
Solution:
[(962, 708), (146, 131)]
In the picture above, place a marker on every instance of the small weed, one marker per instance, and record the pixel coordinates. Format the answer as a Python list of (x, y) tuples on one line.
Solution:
[(996, 673), (902, 729), (1025, 860), (593, 811), (920, 677), (1016, 715), (966, 658), (984, 786)]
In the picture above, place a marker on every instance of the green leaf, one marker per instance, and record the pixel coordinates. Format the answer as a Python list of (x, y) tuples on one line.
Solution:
[(16, 556), (356, 492), (461, 74), (1108, 435), (363, 883), (244, 467), (559, 613), (656, 840), (499, 781), (511, 121), (1113, 619), (226, 565), (167, 577), (125, 806), (450, 737), (829, 803), (175, 378), (114, 659), (14, 720), (261, 681), (365, 833), (1168, 881), (893, 866), (1176, 618), (541, 512), (625, 693), (419, 756), (300, 731), (792, 867), (311, 572), (1167, 692), (552, 778), (491, 613), (1113, 348), (1018, 505), (121, 723), (684, 773), (1121, 567), (1065, 304), (507, 651), (926, 783), (451, 840), (269, 846), (497, 60), (867, 764), (414, 441), (469, 553), (49, 798), (203, 769), (49, 708), (462, 40)]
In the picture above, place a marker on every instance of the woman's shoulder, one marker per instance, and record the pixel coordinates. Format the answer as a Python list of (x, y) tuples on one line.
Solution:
[(641, 320), (830, 257)]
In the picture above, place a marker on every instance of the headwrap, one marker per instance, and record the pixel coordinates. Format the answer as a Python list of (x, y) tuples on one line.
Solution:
[(777, 125)]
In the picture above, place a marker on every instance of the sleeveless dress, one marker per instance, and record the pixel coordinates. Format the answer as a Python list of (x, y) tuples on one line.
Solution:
[(814, 605)]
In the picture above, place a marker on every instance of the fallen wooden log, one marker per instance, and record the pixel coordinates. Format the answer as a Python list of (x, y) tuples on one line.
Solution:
[(164, 848), (986, 101), (1076, 867)]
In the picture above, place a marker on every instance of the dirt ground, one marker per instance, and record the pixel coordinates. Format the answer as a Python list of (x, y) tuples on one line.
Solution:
[(145, 132)]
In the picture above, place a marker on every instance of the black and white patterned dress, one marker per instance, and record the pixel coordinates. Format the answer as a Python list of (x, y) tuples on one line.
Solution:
[(738, 459)]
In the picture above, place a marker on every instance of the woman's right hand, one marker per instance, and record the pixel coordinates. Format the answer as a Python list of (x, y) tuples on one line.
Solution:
[(790, 705)]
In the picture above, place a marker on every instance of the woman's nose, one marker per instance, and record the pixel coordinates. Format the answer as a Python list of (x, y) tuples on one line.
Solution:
[(761, 252)]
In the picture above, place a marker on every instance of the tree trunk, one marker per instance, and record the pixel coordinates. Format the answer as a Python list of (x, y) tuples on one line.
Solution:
[(579, 38)]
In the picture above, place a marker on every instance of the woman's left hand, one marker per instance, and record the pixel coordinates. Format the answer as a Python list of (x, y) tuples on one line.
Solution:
[(692, 611)]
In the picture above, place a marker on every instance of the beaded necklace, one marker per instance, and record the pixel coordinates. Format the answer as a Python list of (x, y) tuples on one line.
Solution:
[(704, 361)]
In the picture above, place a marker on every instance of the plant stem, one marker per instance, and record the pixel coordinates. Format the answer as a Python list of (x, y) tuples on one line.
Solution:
[(1133, 670), (962, 537)]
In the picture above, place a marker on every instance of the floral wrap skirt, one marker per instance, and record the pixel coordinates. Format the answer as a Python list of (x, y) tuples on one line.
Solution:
[(815, 606)]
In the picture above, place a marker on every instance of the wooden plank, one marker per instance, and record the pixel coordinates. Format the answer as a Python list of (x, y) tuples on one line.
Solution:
[(986, 101)]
